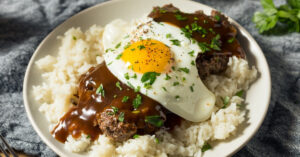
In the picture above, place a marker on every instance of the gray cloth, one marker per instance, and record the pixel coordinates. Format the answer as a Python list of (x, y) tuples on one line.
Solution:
[(24, 23)]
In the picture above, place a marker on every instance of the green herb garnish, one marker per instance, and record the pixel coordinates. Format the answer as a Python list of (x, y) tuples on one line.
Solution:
[(186, 70), (168, 35), (217, 17), (164, 88), (278, 20), (175, 42), (206, 147), (231, 40), (225, 101), (137, 101), (177, 96), (119, 56), (215, 43), (191, 53), (137, 89), (118, 84), (136, 136), (141, 47), (125, 99), (121, 117), (115, 109), (180, 17), (118, 45), (100, 90), (167, 77), (149, 77), (155, 120), (204, 47), (74, 38), (126, 76), (175, 83), (240, 93), (193, 62)]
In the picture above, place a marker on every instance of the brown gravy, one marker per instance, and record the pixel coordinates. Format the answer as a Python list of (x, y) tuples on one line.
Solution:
[(80, 119)]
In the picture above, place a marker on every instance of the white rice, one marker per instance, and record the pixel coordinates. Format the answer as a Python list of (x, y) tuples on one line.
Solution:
[(79, 51)]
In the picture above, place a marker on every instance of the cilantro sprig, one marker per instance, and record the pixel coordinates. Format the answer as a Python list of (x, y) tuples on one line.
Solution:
[(282, 19)]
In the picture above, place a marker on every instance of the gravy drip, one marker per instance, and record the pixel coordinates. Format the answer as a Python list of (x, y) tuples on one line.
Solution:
[(209, 24), (81, 118)]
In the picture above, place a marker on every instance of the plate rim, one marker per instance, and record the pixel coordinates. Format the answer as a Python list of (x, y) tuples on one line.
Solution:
[(32, 59)]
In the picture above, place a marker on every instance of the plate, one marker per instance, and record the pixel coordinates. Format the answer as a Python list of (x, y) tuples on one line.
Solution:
[(257, 98)]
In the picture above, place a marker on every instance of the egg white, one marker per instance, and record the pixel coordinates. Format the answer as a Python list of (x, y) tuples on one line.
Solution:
[(196, 105)]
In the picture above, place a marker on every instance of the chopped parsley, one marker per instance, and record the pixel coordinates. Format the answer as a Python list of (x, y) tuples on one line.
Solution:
[(156, 140), (125, 99), (177, 96), (180, 17), (136, 136), (118, 85), (110, 63), (130, 85), (186, 70), (121, 117), (137, 101), (168, 35), (88, 136), (149, 77), (118, 45), (74, 38), (161, 10), (206, 147), (217, 17), (231, 40), (100, 90), (141, 47), (191, 53), (119, 56), (128, 45), (193, 62), (155, 120), (115, 109), (126, 75), (215, 43), (132, 49), (147, 85), (137, 89), (134, 76), (167, 77), (240, 93), (164, 88), (225, 101), (175, 42), (110, 49), (175, 83), (204, 47), (192, 88)]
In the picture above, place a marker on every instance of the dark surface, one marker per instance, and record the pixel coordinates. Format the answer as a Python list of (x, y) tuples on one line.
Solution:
[(24, 23)]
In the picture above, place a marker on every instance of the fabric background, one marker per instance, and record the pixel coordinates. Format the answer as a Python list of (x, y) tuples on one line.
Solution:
[(24, 23)]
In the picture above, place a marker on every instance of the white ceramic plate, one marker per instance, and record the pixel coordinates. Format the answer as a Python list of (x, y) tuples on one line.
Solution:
[(257, 99)]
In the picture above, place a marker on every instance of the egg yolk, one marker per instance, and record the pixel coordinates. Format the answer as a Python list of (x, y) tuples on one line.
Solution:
[(148, 56)]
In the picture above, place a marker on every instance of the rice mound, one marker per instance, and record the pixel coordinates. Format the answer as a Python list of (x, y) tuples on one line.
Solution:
[(81, 50)]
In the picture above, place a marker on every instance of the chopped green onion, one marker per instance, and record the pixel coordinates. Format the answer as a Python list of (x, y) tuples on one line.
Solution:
[(136, 136), (118, 85), (121, 117), (155, 120), (206, 147), (100, 90), (125, 99), (119, 56), (118, 45), (240, 93)]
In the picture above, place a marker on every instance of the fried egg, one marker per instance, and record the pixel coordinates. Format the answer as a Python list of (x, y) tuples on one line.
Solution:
[(157, 60)]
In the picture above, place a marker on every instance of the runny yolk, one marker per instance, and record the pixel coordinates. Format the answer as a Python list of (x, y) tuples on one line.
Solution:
[(148, 56)]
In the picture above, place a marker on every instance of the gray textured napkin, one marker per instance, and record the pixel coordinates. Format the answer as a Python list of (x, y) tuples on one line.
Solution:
[(24, 23)]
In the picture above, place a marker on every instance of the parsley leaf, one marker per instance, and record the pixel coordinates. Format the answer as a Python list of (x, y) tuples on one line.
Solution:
[(121, 117), (115, 109), (206, 147), (180, 17), (118, 85), (100, 90), (125, 99), (155, 120), (137, 101), (149, 77), (175, 42), (186, 70)]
